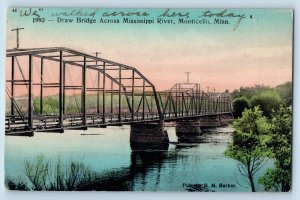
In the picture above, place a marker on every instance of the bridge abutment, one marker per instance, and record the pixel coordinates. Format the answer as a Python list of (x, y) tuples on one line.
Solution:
[(145, 136), (188, 128)]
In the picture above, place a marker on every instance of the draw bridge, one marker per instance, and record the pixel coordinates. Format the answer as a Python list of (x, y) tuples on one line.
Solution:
[(53, 89)]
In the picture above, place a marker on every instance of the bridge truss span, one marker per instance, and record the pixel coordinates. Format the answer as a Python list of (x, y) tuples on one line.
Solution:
[(52, 89), (187, 100)]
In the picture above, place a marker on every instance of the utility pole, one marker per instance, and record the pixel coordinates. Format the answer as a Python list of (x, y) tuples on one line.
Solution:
[(97, 53), (188, 76), (17, 30)]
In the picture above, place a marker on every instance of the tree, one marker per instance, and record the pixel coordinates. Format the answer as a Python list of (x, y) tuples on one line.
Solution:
[(239, 105), (280, 144), (286, 92), (267, 101), (248, 146), (249, 92)]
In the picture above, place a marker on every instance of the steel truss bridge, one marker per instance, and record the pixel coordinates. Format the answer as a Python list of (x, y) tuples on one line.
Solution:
[(52, 89)]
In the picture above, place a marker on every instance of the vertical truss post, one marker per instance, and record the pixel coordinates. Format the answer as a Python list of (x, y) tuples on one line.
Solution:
[(12, 111), (42, 86), (120, 94), (104, 93), (175, 104), (111, 96), (176, 101), (30, 106), (151, 104), (160, 114), (199, 100), (192, 103), (98, 91), (224, 104), (196, 100), (83, 92), (61, 89), (132, 96), (217, 102), (200, 103), (64, 88), (170, 100), (143, 100), (182, 104)]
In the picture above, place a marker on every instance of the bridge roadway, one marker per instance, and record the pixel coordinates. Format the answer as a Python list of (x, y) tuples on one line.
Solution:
[(57, 88)]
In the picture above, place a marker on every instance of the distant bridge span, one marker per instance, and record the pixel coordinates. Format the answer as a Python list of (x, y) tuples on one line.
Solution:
[(53, 89)]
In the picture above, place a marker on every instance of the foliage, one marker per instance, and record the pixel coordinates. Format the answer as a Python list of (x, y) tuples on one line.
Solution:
[(43, 175), (267, 101), (249, 92), (37, 172), (286, 93), (15, 185), (239, 105), (248, 146), (280, 145)]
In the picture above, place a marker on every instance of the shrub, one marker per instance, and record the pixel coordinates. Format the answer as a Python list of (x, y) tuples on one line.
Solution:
[(267, 101), (239, 105)]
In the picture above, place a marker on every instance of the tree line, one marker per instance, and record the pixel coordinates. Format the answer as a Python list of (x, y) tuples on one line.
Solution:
[(262, 130)]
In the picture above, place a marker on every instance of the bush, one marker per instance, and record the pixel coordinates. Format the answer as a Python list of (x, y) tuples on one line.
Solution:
[(286, 93), (239, 105), (267, 101)]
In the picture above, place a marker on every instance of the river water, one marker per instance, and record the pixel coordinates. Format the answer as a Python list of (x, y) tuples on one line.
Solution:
[(199, 164)]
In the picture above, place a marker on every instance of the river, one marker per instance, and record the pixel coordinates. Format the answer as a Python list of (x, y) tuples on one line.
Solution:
[(199, 164)]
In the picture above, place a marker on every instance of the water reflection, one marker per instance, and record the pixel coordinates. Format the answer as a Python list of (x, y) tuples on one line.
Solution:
[(142, 164), (197, 161)]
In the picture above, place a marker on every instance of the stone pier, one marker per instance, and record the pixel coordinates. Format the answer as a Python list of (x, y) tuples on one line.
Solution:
[(210, 121), (215, 120), (145, 136), (188, 128), (225, 119)]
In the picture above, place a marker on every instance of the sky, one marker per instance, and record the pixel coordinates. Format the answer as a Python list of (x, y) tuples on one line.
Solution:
[(258, 51)]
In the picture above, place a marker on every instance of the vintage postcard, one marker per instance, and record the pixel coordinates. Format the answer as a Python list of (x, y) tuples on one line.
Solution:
[(191, 100)]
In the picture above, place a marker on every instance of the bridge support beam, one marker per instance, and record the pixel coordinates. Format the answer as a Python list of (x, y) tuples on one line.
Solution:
[(145, 136), (186, 129)]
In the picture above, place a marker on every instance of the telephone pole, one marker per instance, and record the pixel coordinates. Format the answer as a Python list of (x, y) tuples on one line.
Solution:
[(17, 30), (188, 76), (97, 53)]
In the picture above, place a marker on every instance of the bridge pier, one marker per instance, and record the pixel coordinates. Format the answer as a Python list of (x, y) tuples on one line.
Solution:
[(145, 136), (186, 129), (210, 121), (225, 119), (216, 120)]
